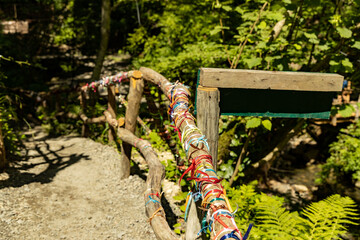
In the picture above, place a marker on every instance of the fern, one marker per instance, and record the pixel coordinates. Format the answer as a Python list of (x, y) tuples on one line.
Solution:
[(327, 219), (275, 222), (323, 220)]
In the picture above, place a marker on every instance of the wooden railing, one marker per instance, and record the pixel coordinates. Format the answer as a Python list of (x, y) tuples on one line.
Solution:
[(124, 129), (216, 209)]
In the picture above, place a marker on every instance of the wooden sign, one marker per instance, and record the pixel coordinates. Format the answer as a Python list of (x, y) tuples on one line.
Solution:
[(261, 93), (272, 93)]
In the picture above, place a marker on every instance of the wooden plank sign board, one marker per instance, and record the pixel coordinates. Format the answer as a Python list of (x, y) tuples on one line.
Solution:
[(272, 93)]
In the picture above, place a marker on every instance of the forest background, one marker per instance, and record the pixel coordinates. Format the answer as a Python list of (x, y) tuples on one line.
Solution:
[(176, 38)]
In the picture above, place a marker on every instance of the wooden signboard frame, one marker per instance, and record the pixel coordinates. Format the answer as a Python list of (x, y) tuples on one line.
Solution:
[(261, 93)]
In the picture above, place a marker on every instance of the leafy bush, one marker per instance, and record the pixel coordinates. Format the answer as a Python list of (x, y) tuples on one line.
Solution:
[(344, 155), (8, 118)]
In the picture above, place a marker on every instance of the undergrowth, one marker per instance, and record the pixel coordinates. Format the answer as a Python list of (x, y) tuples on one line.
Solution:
[(344, 156), (326, 219)]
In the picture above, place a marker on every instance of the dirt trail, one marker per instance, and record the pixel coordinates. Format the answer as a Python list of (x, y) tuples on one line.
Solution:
[(68, 188)]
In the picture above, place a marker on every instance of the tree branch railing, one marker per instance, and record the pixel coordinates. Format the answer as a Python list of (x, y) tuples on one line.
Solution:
[(218, 214)]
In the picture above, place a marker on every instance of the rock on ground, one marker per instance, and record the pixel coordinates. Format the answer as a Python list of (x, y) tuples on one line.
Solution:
[(68, 188)]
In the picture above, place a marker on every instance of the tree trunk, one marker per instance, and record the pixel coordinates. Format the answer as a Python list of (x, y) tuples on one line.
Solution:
[(105, 33), (3, 162)]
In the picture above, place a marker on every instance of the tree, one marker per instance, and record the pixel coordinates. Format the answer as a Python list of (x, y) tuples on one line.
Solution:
[(105, 33), (3, 162)]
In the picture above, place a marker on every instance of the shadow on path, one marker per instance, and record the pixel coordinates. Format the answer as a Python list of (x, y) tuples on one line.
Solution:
[(25, 170)]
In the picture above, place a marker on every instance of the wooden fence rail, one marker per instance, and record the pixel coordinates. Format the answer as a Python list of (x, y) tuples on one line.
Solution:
[(216, 211), (152, 197)]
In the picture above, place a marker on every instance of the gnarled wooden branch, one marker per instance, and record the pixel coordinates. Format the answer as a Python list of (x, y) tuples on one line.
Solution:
[(87, 120), (153, 207), (195, 151)]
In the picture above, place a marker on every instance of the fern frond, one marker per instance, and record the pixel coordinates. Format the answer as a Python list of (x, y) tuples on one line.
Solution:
[(274, 220), (328, 218)]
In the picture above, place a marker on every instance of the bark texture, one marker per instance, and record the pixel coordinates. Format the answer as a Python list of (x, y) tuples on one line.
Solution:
[(105, 33)]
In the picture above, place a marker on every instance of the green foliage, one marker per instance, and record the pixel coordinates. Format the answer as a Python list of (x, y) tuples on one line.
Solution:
[(171, 171), (226, 170), (344, 156), (181, 36), (275, 221), (9, 120), (9, 105), (156, 141), (178, 228), (254, 122), (344, 32), (326, 219), (176, 41), (345, 110)]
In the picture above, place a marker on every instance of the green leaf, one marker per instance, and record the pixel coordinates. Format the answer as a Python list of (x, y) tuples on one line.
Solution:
[(334, 63), (267, 124), (240, 10), (297, 46), (183, 182), (253, 62), (346, 110), (180, 196), (276, 16), (233, 154), (323, 47), (344, 32), (177, 225), (235, 142), (253, 123), (183, 208), (227, 8), (262, 25), (346, 63), (312, 37), (261, 45), (216, 30), (356, 45), (226, 171)]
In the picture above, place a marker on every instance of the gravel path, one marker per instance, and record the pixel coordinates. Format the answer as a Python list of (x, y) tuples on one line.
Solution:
[(68, 188)]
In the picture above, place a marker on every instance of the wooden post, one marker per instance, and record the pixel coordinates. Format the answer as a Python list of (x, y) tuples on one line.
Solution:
[(134, 98), (85, 127), (208, 113), (357, 109), (112, 110), (193, 224)]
